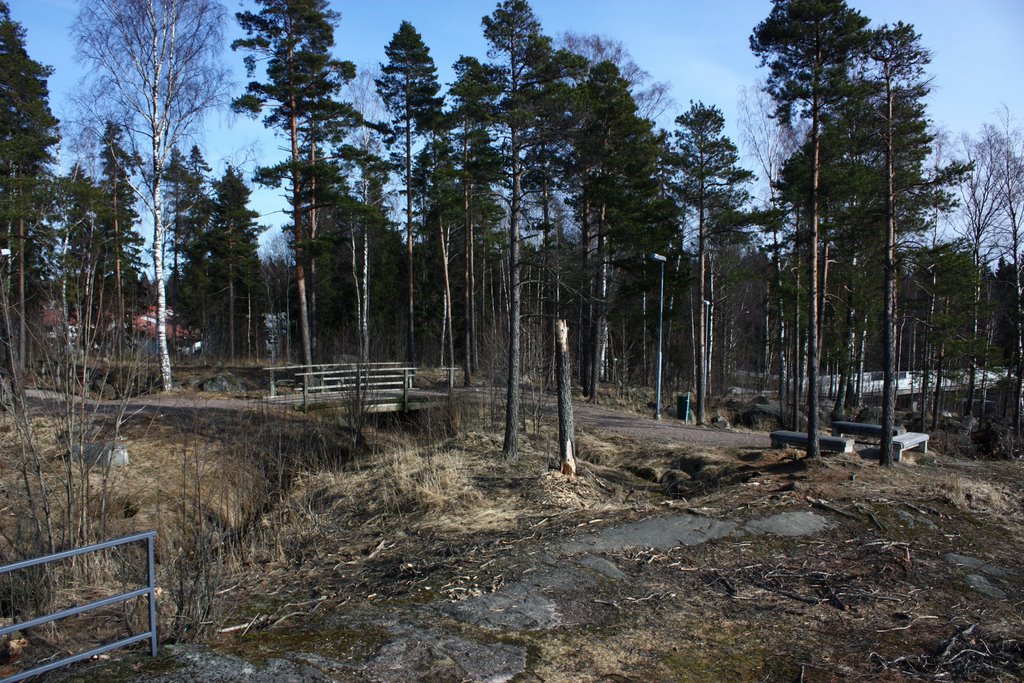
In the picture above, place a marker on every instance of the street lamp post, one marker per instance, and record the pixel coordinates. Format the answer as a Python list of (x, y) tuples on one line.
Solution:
[(661, 307)]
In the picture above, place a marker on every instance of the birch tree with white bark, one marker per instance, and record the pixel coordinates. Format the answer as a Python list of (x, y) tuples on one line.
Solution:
[(155, 69)]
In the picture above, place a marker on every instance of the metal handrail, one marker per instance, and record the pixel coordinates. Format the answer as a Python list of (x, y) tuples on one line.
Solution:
[(149, 590)]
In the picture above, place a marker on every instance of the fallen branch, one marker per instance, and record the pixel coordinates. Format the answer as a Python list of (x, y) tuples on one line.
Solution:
[(286, 616), (871, 516), (948, 645), (904, 628), (824, 505), (240, 627)]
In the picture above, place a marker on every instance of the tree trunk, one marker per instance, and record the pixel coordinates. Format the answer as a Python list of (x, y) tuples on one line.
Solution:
[(300, 267), (22, 313), (813, 447), (889, 289), (566, 427), (846, 363), (599, 326), (702, 319), (468, 284), (158, 264), (511, 443), (1018, 389), (410, 310), (586, 328), (231, 297), (447, 299), (118, 287)]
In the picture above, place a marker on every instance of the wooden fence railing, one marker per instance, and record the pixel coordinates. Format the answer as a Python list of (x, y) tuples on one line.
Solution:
[(368, 383)]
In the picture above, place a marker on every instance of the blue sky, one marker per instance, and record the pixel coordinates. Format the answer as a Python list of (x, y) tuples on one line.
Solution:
[(700, 48)]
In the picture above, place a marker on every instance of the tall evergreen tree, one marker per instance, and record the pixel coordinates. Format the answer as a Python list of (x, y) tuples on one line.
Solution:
[(189, 207), (122, 261), (28, 131), (615, 153), (808, 46), (712, 185), (294, 38), (524, 62), (408, 85), (232, 241), (899, 62), (474, 108)]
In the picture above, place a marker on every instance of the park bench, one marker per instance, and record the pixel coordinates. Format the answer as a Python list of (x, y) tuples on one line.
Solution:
[(916, 440), (840, 428), (830, 444)]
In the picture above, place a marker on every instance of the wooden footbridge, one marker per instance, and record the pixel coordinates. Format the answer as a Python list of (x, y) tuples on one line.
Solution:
[(368, 387)]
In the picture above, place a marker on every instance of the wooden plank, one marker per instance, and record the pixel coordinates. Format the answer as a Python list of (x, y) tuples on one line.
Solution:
[(365, 372), (384, 364), (350, 387)]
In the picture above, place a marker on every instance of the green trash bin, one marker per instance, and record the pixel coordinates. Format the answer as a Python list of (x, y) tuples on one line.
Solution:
[(683, 411)]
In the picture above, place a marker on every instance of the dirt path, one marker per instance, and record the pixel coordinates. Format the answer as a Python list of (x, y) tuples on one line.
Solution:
[(666, 430), (588, 416)]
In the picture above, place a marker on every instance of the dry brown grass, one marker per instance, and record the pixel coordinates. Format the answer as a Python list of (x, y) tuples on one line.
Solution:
[(969, 494)]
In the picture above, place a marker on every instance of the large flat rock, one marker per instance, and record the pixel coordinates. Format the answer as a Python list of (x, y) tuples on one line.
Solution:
[(658, 532)]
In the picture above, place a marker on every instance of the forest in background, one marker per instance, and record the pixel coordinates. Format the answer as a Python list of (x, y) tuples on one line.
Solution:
[(455, 225)]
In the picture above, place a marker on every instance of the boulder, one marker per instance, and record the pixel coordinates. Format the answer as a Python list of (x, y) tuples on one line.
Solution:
[(719, 422), (870, 415), (766, 416), (224, 382), (102, 454)]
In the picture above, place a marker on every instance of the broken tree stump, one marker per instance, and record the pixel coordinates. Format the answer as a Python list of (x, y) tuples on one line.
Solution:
[(566, 427)]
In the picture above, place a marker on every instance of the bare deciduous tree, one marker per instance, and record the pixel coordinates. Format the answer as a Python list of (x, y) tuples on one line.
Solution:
[(155, 70)]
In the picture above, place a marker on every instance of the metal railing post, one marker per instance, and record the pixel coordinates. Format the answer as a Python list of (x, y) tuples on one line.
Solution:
[(148, 591), (273, 387), (152, 596), (305, 392)]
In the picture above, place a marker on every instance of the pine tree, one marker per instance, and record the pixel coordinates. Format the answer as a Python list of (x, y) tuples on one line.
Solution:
[(122, 259), (524, 63), (712, 185), (300, 98), (409, 87), (474, 108), (809, 45), (28, 131), (189, 206), (232, 242), (910, 193), (615, 154)]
